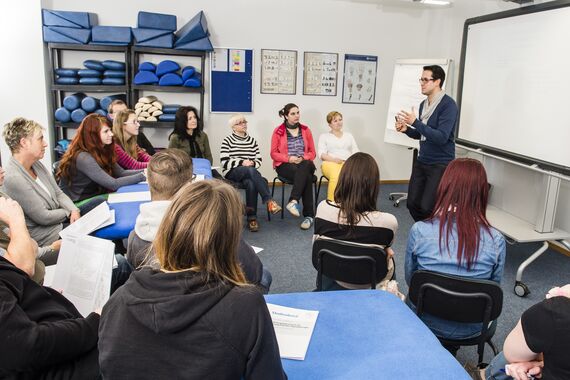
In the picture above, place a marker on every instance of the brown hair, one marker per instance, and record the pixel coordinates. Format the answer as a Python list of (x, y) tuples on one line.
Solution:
[(115, 103), (129, 145), (200, 232), (167, 172), (331, 115)]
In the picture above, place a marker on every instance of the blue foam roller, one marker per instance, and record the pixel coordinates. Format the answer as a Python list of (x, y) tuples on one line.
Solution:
[(107, 100), (156, 21), (170, 108), (145, 77), (193, 82), (93, 64), (194, 29), (101, 112), (167, 66), (147, 66), (89, 73), (170, 79), (167, 117), (78, 115), (111, 34), (67, 80), (202, 44), (187, 72), (63, 115), (90, 81), (114, 74), (66, 72), (145, 34), (113, 81), (166, 41), (82, 20), (109, 64), (73, 102), (64, 34), (89, 104)]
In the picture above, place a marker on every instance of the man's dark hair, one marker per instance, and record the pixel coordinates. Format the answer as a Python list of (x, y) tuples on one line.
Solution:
[(437, 73)]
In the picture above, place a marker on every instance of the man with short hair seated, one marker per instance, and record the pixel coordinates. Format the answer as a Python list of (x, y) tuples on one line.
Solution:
[(167, 172)]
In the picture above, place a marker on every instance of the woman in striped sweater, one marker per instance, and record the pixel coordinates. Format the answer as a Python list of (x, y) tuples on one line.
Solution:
[(125, 130), (240, 158)]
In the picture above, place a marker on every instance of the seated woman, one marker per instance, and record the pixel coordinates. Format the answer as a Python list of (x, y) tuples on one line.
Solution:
[(293, 152), (335, 147), (196, 316), (189, 136), (354, 217), (117, 106), (125, 131), (32, 185), (89, 166), (457, 239), (240, 158)]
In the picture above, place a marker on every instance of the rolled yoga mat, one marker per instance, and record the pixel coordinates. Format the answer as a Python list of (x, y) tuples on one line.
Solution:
[(73, 102)]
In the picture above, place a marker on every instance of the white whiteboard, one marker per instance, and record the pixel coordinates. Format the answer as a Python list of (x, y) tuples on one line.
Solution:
[(406, 93), (516, 84)]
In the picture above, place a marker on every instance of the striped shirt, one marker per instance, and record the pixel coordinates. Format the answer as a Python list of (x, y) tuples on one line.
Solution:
[(295, 145), (236, 149)]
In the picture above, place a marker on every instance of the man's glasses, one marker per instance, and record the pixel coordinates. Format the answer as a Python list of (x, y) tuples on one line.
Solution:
[(425, 80)]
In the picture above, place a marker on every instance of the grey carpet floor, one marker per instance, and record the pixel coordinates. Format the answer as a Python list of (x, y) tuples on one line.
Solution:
[(287, 255)]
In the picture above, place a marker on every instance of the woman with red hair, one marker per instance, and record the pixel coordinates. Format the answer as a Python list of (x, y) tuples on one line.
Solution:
[(89, 166), (457, 238)]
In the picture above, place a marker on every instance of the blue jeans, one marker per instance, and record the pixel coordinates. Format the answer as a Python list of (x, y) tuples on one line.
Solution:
[(266, 280), (254, 184), (121, 273), (494, 370)]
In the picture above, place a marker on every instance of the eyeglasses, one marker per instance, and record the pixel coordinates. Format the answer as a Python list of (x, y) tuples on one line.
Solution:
[(136, 122), (243, 122), (425, 80)]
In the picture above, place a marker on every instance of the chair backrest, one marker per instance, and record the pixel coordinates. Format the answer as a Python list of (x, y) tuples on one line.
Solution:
[(349, 262), (455, 298)]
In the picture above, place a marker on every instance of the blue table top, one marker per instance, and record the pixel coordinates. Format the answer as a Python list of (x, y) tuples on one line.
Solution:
[(367, 334)]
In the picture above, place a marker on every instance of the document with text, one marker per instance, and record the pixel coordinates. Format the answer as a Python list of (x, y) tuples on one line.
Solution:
[(101, 216), (293, 328)]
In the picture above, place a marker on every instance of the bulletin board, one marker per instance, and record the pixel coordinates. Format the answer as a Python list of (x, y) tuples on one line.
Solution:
[(231, 84)]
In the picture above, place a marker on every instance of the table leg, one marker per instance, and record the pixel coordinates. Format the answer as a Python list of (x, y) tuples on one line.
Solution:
[(521, 289)]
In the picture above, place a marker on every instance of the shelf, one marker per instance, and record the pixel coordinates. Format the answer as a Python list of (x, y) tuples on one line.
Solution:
[(149, 87), (88, 88), (163, 51), (88, 47), (157, 124), (67, 125)]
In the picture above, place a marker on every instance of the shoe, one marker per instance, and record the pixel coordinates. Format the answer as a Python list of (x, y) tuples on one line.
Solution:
[(253, 225), (273, 207), (307, 223), (294, 208)]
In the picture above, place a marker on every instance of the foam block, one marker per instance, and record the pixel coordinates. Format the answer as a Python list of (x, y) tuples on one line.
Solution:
[(78, 115), (107, 100), (147, 66), (145, 34), (194, 29), (89, 73), (73, 102), (146, 106), (63, 115), (157, 104), (89, 104), (170, 79), (166, 41), (167, 117), (145, 77), (62, 72), (156, 21), (82, 20), (148, 99), (109, 64), (202, 44), (120, 35), (114, 74), (167, 66), (187, 72), (90, 81), (94, 65), (151, 118), (170, 108), (156, 113), (67, 80), (193, 82), (101, 112), (113, 81), (68, 35)]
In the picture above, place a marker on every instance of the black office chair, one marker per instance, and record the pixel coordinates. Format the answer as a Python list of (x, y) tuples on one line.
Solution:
[(459, 299), (285, 181), (320, 183), (349, 262)]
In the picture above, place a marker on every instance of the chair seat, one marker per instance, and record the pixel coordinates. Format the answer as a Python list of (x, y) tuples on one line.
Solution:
[(288, 182), (473, 341)]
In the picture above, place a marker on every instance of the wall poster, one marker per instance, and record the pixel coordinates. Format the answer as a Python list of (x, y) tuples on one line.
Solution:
[(320, 73), (278, 72), (359, 85)]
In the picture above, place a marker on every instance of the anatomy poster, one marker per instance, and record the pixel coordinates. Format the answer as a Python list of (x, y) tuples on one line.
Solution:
[(320, 74), (359, 79)]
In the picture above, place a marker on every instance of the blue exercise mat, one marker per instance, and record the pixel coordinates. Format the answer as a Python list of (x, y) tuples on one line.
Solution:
[(167, 66), (80, 20), (89, 104), (114, 74), (73, 102), (89, 73), (166, 41), (113, 81), (67, 80), (62, 72), (66, 35), (145, 34), (94, 65), (203, 44), (167, 117), (156, 21), (194, 29), (78, 115), (63, 115), (109, 64), (93, 81), (170, 108), (120, 35)]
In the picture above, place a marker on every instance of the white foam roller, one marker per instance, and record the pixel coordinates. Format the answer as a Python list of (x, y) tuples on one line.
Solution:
[(151, 118), (157, 104), (141, 118), (144, 114), (151, 109), (138, 111), (148, 99), (139, 105), (157, 113), (146, 107)]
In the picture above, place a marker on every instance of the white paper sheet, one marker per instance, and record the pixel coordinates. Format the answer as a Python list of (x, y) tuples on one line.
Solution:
[(293, 328), (99, 217), (83, 271), (256, 249), (139, 196)]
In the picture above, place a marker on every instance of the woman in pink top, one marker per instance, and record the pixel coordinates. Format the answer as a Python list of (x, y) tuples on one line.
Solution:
[(125, 129)]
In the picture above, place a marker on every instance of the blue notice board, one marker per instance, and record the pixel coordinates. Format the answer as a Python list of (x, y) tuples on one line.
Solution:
[(231, 85)]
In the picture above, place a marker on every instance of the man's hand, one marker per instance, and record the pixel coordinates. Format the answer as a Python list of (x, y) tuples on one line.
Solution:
[(407, 117), (74, 216)]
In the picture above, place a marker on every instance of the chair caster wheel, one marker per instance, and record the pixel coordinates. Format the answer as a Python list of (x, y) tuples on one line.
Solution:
[(521, 289), (391, 197)]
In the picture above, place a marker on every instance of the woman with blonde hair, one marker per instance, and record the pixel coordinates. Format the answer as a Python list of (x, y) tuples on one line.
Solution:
[(196, 315), (125, 131)]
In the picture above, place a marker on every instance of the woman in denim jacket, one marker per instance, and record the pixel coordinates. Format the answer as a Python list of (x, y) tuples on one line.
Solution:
[(457, 238)]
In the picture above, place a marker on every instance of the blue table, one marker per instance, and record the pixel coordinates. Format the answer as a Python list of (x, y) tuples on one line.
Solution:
[(126, 213), (367, 334)]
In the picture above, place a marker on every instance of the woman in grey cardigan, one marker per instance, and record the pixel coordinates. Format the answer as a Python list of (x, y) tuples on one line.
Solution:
[(29, 183)]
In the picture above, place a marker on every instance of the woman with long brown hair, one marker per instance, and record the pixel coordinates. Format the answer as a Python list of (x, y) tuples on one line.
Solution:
[(457, 238), (353, 215), (195, 317), (89, 166), (125, 132)]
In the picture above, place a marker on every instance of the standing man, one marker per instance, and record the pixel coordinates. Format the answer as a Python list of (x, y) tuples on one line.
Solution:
[(435, 129)]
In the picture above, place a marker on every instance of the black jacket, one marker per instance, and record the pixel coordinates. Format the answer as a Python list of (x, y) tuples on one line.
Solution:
[(178, 326)]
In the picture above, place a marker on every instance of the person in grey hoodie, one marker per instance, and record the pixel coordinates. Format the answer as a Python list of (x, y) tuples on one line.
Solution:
[(167, 172), (195, 317)]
